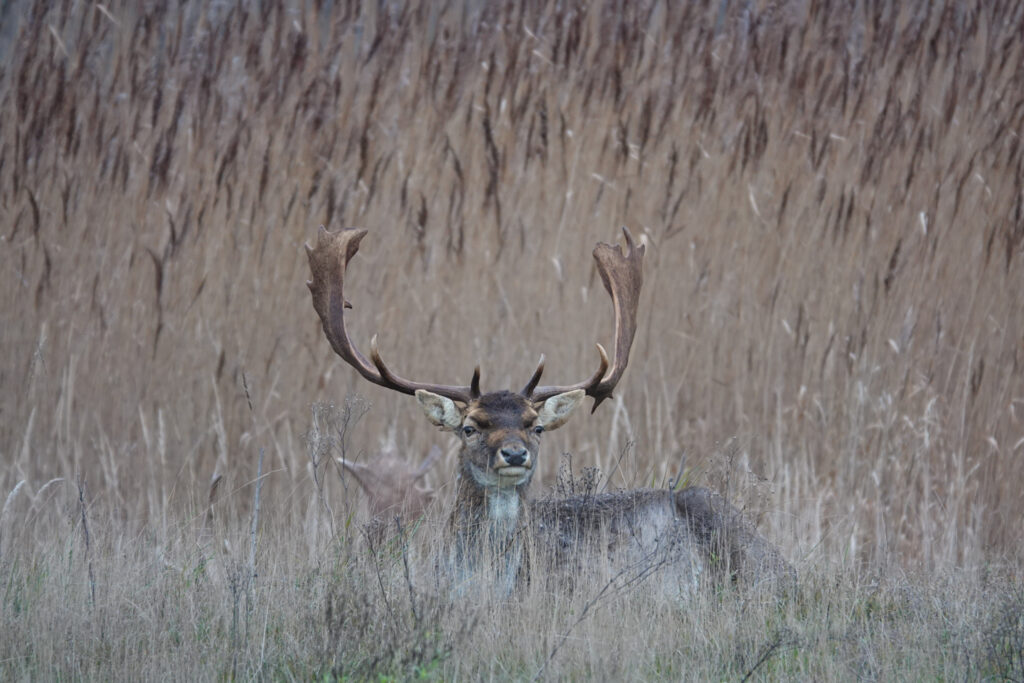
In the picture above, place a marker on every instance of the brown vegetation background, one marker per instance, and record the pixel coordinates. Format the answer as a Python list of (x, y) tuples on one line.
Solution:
[(833, 201)]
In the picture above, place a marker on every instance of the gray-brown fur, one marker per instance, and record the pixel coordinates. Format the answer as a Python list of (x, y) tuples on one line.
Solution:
[(726, 544), (730, 542), (628, 537)]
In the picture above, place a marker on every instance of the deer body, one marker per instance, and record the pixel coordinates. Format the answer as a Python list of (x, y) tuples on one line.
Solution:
[(669, 538), (686, 533), (495, 531), (625, 537)]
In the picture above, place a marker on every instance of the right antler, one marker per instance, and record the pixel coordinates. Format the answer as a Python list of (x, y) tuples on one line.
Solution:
[(622, 275), (328, 262)]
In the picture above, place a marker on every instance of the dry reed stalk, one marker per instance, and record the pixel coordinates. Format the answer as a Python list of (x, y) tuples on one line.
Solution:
[(3, 512), (88, 544)]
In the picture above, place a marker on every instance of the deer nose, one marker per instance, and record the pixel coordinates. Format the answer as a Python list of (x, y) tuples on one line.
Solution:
[(515, 456)]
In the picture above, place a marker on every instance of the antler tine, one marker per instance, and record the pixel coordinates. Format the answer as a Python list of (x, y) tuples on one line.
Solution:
[(544, 393), (474, 384), (328, 262), (532, 384), (392, 380), (622, 275)]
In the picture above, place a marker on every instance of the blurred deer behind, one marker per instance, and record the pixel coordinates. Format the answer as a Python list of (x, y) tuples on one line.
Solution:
[(394, 488)]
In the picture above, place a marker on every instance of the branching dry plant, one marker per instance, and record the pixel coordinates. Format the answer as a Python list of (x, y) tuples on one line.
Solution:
[(832, 195)]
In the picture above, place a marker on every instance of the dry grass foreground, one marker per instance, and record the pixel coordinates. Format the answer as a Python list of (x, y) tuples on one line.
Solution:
[(831, 329)]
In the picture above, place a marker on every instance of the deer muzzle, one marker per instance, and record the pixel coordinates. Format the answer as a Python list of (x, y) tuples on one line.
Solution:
[(513, 460)]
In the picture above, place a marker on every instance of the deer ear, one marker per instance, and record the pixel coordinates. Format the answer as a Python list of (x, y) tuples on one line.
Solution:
[(441, 411), (553, 413)]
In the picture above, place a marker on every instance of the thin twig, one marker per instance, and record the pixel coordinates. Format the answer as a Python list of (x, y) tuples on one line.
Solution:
[(408, 576), (88, 544), (3, 513), (647, 568), (375, 554), (625, 449), (778, 642), (255, 517)]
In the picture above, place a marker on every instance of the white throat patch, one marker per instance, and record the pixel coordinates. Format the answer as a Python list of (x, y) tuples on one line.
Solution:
[(503, 505)]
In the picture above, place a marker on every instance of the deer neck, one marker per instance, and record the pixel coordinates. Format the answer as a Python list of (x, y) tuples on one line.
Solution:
[(484, 527), (481, 505)]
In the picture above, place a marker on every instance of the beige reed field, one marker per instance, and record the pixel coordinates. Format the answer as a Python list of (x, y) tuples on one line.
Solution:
[(831, 330)]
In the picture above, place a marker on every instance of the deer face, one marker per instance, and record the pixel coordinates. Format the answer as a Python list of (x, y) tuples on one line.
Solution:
[(500, 431)]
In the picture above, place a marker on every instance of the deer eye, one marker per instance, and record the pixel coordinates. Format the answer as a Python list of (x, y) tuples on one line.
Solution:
[(469, 430), (538, 429)]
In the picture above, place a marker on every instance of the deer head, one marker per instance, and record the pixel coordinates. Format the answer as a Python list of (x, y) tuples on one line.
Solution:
[(500, 431)]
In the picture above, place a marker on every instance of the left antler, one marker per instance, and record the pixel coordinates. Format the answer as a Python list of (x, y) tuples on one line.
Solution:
[(622, 275)]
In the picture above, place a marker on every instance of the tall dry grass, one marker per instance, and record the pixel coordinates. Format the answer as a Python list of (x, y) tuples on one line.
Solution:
[(831, 324)]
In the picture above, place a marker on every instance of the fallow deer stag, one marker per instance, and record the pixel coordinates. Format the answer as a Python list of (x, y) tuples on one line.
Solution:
[(670, 537)]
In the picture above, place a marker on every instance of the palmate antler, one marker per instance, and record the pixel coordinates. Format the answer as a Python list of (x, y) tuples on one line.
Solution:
[(328, 262), (621, 273), (623, 276)]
